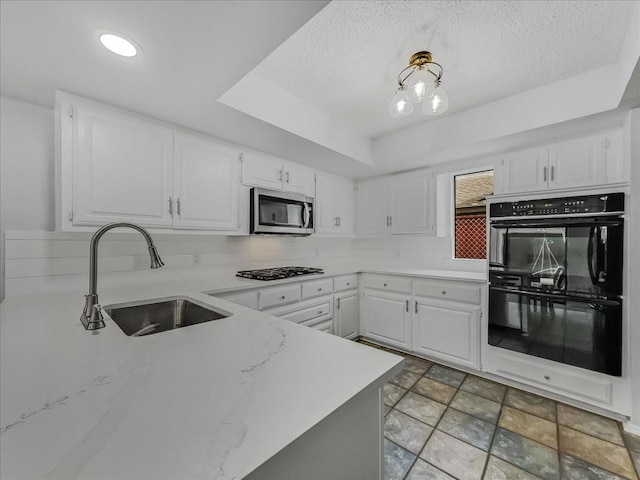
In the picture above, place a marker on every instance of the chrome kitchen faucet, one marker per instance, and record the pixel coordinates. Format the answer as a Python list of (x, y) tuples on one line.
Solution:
[(91, 316)]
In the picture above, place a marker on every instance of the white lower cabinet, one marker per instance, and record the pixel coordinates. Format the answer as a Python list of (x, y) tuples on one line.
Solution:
[(447, 331), (385, 317), (345, 319)]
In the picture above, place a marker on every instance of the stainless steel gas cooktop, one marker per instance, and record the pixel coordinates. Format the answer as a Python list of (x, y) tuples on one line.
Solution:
[(278, 273)]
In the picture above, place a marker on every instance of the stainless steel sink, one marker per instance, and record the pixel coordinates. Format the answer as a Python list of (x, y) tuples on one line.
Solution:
[(145, 318)]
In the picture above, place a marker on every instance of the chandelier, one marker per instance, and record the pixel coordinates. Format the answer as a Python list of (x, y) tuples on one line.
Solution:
[(419, 83)]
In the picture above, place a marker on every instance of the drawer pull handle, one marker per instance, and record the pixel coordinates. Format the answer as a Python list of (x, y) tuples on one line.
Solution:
[(319, 289), (547, 377), (444, 292), (348, 284), (282, 297), (385, 284), (320, 312)]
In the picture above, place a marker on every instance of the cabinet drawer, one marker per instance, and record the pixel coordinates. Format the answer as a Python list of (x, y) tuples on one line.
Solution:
[(316, 288), (307, 314), (347, 282), (315, 322), (455, 291), (246, 299), (324, 326), (563, 381), (279, 296), (392, 284)]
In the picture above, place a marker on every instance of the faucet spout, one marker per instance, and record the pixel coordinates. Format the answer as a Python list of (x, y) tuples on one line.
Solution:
[(91, 317)]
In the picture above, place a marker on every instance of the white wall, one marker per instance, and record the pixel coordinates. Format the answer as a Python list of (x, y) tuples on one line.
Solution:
[(26, 170)]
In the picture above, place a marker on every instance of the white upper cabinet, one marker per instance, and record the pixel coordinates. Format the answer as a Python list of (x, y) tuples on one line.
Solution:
[(581, 162), (121, 168), (298, 179), (411, 204), (265, 171), (115, 166), (395, 204), (526, 171), (335, 205), (259, 170), (374, 200), (205, 184)]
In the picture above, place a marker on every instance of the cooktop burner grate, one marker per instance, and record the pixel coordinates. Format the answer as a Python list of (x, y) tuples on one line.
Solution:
[(278, 273)]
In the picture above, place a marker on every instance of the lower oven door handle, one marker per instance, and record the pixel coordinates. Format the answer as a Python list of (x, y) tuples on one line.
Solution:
[(556, 296)]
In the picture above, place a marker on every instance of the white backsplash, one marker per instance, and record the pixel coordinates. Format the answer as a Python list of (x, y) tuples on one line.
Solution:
[(41, 262), (53, 261)]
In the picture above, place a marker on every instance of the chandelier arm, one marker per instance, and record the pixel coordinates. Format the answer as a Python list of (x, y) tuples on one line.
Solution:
[(439, 75), (401, 82)]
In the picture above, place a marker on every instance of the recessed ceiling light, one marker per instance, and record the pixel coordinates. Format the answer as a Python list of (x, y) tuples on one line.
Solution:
[(118, 44)]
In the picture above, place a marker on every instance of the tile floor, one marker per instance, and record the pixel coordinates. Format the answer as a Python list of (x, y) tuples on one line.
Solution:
[(444, 424)]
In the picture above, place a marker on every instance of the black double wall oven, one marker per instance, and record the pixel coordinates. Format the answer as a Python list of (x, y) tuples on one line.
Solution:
[(555, 279)]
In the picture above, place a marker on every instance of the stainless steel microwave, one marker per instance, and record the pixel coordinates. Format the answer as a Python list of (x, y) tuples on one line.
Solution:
[(280, 213)]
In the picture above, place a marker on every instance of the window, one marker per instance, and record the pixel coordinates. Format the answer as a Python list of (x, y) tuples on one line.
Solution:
[(471, 190)]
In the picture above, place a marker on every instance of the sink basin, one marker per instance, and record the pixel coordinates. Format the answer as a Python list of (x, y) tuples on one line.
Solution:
[(145, 318)]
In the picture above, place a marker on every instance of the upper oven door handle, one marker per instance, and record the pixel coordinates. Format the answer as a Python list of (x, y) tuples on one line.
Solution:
[(557, 222)]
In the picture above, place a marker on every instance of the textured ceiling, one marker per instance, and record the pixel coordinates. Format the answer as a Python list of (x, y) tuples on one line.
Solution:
[(345, 60)]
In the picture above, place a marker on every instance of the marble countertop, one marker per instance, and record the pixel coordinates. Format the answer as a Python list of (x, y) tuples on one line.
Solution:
[(214, 400), (229, 282)]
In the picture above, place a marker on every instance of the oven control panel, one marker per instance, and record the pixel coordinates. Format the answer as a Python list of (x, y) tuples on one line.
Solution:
[(612, 202)]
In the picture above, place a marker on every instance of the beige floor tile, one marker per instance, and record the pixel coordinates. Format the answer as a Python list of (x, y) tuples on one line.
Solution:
[(435, 390), (484, 388), (454, 457), (405, 379), (530, 426), (527, 402), (416, 366), (596, 451), (498, 469), (421, 408), (479, 407), (392, 393), (589, 423)]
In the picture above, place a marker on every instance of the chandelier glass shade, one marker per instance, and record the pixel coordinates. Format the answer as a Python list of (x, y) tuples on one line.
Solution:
[(419, 83)]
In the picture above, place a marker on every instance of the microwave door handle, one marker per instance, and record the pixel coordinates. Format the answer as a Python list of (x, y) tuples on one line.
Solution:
[(306, 215)]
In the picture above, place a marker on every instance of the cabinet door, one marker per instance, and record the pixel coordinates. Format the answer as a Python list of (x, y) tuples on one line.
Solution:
[(373, 207), (346, 315), (205, 184), (385, 317), (335, 203), (298, 179), (325, 215), (121, 170), (617, 167), (577, 163), (411, 206), (344, 207), (447, 331), (261, 171), (526, 171)]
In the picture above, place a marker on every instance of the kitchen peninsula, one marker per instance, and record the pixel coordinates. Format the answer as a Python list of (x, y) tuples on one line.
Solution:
[(248, 396)]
